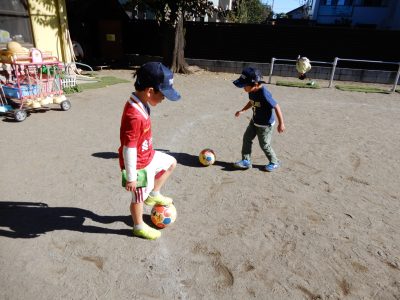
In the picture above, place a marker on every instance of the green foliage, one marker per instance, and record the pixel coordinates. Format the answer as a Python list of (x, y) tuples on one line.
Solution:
[(171, 14), (249, 11), (364, 89), (298, 84), (171, 11), (72, 89)]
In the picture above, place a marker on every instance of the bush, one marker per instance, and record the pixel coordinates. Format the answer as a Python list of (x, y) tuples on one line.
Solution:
[(72, 89)]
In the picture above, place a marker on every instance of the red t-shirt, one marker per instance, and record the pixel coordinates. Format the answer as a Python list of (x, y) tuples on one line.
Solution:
[(135, 132)]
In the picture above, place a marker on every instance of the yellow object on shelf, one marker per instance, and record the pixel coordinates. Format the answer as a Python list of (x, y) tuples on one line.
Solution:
[(14, 49), (57, 100), (46, 101), (29, 103), (15, 53), (36, 104)]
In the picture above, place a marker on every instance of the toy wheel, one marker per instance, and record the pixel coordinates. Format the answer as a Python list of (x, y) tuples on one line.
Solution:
[(65, 105), (20, 115)]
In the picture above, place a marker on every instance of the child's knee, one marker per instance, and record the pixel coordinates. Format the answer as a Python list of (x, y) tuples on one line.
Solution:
[(173, 165)]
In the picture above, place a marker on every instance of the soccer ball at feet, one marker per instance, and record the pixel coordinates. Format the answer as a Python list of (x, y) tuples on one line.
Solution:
[(163, 215)]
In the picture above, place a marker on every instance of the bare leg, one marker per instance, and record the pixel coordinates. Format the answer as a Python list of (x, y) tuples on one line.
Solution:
[(159, 182), (140, 228), (137, 213)]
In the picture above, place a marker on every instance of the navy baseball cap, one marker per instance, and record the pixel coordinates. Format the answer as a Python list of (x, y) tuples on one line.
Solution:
[(249, 76), (158, 76)]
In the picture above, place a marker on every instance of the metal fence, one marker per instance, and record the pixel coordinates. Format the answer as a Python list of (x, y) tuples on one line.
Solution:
[(334, 65)]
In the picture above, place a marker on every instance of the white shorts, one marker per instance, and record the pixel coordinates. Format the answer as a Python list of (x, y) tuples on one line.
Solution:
[(160, 162)]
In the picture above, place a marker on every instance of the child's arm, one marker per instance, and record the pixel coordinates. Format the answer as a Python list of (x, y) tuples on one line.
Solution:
[(278, 112), (130, 158), (246, 107)]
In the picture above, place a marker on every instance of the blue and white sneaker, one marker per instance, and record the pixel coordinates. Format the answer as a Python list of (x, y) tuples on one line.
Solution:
[(243, 164), (272, 167)]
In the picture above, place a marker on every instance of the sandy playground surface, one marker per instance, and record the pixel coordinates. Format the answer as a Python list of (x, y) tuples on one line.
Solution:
[(325, 226)]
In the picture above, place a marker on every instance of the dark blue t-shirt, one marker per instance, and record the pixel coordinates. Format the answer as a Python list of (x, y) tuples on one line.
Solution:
[(263, 105)]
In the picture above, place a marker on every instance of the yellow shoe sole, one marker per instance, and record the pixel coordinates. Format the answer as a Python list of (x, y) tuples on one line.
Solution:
[(160, 200), (147, 233)]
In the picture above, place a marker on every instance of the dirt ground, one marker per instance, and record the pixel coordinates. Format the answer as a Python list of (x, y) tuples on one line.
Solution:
[(324, 226)]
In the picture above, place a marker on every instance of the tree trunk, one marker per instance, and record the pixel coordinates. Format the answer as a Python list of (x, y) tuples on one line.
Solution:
[(179, 64), (174, 48)]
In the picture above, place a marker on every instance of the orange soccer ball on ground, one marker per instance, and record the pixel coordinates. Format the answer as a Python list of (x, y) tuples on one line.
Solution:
[(207, 157)]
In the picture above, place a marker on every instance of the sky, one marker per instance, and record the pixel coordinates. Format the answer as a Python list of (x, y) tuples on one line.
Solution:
[(283, 6)]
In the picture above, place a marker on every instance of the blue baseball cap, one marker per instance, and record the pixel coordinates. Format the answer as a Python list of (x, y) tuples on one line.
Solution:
[(158, 76), (249, 76)]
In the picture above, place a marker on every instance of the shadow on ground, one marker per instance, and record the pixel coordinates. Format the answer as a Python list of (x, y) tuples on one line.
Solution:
[(191, 160), (106, 155), (184, 159), (31, 219)]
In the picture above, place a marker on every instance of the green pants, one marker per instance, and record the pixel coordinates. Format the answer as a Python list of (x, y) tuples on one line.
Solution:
[(264, 135)]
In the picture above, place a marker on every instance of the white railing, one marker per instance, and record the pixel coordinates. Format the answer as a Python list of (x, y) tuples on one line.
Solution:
[(334, 65), (337, 59)]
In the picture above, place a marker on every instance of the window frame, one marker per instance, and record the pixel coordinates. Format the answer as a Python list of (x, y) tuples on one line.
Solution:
[(20, 16)]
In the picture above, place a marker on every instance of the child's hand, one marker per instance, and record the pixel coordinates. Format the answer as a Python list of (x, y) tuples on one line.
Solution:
[(237, 114), (130, 186), (281, 127)]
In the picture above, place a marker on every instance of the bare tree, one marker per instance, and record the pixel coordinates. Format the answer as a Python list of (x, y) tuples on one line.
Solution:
[(171, 15)]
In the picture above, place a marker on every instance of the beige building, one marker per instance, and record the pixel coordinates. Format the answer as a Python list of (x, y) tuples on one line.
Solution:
[(40, 24)]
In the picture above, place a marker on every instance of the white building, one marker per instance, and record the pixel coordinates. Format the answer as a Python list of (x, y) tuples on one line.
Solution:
[(220, 5), (380, 14)]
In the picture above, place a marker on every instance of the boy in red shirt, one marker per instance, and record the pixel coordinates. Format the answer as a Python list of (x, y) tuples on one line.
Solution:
[(137, 157)]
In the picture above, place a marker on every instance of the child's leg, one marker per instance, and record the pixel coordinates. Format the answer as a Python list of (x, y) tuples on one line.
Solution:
[(137, 213), (140, 228), (248, 138), (158, 172), (159, 182), (265, 138)]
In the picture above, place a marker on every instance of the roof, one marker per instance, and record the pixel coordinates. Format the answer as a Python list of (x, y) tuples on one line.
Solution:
[(296, 10)]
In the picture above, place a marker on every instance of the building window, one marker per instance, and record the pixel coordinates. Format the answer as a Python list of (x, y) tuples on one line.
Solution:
[(15, 24), (373, 3), (345, 2), (337, 2)]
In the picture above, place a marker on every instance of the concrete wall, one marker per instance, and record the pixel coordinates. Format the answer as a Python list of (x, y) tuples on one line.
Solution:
[(284, 70), (50, 27)]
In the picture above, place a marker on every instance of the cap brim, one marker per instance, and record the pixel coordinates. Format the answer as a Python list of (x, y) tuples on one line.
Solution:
[(239, 83), (171, 94)]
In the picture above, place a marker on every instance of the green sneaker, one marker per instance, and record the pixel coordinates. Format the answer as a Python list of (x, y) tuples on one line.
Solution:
[(147, 232), (160, 200)]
